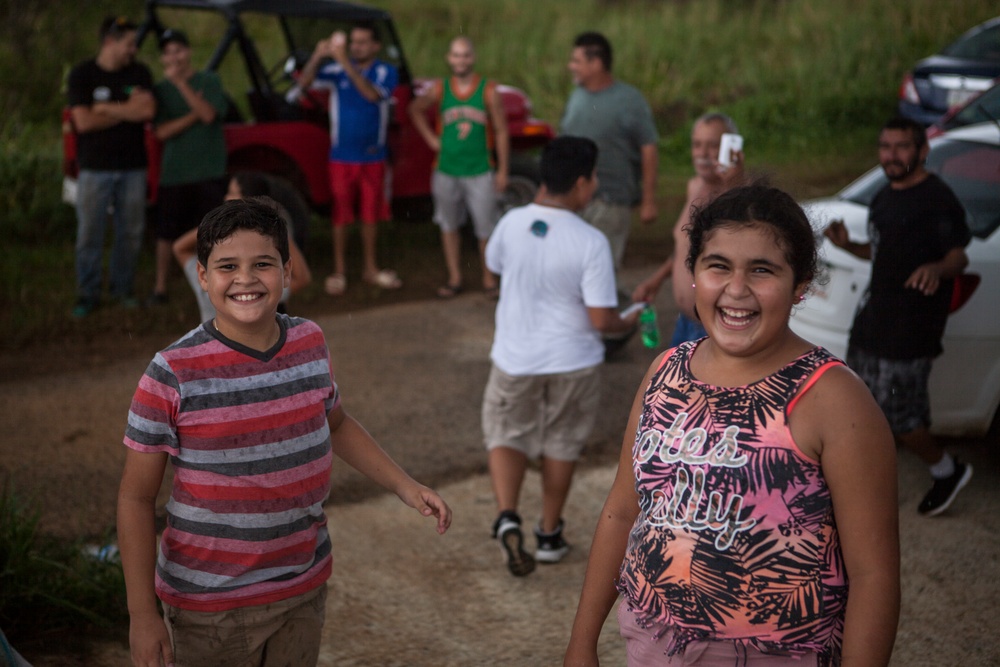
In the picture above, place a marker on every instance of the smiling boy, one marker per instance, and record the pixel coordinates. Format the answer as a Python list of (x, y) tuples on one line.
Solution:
[(247, 409)]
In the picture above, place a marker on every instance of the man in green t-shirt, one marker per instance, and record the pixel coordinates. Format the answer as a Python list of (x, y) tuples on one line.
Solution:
[(470, 126), (190, 106)]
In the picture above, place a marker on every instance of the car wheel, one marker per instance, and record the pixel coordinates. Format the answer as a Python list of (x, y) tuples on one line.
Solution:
[(520, 191)]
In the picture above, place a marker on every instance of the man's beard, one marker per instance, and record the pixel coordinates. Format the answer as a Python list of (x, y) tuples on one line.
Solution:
[(904, 169)]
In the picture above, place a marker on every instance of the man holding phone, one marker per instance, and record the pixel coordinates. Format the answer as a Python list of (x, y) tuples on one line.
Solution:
[(715, 173), (360, 88)]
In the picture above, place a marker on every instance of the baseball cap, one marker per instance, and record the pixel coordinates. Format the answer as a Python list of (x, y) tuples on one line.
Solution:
[(170, 35), (116, 26)]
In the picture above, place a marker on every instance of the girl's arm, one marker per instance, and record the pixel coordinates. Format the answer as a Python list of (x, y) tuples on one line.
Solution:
[(356, 447), (140, 483), (858, 457), (608, 548)]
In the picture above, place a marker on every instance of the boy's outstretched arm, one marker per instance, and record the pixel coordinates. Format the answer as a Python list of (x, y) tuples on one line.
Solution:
[(148, 639), (358, 449)]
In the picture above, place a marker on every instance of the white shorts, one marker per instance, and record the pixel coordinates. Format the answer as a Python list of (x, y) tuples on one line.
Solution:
[(455, 196)]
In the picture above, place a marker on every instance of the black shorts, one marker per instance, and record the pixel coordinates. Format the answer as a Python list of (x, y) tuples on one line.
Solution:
[(181, 207), (899, 387)]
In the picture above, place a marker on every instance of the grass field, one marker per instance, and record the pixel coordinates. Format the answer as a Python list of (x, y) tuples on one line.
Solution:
[(809, 84)]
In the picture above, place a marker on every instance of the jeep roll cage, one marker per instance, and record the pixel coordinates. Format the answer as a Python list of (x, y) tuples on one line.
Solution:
[(231, 10)]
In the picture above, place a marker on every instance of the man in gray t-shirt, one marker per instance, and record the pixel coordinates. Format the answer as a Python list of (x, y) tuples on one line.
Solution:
[(617, 118)]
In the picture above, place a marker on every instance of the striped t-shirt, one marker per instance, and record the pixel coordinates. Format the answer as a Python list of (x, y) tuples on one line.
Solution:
[(248, 437)]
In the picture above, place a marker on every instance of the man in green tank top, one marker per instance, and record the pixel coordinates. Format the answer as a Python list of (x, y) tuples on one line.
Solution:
[(470, 126)]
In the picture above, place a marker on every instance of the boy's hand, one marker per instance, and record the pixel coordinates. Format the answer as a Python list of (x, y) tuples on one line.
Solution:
[(836, 231), (149, 641), (645, 291), (429, 503)]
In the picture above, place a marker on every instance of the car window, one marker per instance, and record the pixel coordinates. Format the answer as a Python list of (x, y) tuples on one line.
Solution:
[(863, 190), (984, 45), (984, 108), (971, 169)]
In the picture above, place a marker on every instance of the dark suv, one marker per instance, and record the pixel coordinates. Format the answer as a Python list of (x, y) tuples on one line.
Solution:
[(265, 132)]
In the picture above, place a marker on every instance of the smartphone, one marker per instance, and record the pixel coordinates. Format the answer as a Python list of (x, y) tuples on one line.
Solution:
[(731, 143)]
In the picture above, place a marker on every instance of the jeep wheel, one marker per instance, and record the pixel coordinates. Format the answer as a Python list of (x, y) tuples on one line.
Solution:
[(520, 192)]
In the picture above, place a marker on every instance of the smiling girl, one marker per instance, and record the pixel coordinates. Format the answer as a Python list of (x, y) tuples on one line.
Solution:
[(753, 518)]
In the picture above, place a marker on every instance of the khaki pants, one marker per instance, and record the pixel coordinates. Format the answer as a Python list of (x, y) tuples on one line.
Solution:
[(280, 634), (615, 220)]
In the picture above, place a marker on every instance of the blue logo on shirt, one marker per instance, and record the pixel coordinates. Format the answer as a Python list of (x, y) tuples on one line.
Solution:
[(539, 228)]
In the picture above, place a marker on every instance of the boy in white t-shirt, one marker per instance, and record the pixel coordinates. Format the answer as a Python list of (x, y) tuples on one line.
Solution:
[(557, 296)]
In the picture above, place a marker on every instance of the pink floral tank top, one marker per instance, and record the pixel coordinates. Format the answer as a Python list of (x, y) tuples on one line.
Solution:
[(735, 538)]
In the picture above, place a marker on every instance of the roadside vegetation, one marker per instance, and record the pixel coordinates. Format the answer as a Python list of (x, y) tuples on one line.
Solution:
[(54, 593), (808, 82)]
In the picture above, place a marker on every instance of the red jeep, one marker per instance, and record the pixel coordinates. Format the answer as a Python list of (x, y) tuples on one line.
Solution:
[(267, 133)]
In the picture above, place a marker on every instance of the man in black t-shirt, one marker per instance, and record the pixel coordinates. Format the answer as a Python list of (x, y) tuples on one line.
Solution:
[(918, 237), (111, 100)]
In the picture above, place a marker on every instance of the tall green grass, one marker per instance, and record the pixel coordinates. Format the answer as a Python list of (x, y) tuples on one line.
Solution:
[(803, 79), (48, 588), (808, 83)]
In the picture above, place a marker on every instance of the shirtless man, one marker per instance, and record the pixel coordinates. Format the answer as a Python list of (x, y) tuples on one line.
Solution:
[(710, 180)]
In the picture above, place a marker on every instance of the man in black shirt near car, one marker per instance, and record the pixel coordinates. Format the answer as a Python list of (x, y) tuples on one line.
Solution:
[(918, 235)]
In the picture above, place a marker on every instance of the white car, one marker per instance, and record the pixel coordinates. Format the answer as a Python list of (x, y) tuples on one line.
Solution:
[(965, 380)]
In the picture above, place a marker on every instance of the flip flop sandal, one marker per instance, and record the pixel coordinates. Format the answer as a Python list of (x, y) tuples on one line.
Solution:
[(449, 291), (335, 285), (386, 279)]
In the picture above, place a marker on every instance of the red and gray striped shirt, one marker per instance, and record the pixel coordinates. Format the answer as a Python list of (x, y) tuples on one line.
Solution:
[(249, 441)]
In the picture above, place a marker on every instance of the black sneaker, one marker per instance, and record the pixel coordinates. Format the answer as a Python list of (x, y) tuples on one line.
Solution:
[(507, 531), (551, 546), (944, 490)]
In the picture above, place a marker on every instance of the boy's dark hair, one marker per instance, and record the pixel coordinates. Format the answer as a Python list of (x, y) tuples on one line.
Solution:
[(595, 45), (759, 203), (116, 27), (255, 214), (917, 131), (370, 27), (173, 36), (564, 160)]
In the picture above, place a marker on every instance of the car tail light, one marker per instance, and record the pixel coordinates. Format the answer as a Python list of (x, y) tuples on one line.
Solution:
[(536, 128), (965, 285), (908, 90)]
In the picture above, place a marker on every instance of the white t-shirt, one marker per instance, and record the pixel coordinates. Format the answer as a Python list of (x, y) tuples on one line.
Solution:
[(552, 267)]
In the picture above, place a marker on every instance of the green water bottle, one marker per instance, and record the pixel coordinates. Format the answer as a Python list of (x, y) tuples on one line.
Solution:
[(647, 327)]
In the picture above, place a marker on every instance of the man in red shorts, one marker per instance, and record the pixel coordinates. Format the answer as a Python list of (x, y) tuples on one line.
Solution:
[(360, 91)]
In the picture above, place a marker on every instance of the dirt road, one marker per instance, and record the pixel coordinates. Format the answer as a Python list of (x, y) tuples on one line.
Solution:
[(413, 373)]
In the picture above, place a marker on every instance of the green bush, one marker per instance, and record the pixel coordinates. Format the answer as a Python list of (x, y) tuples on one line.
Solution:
[(31, 207), (47, 587)]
